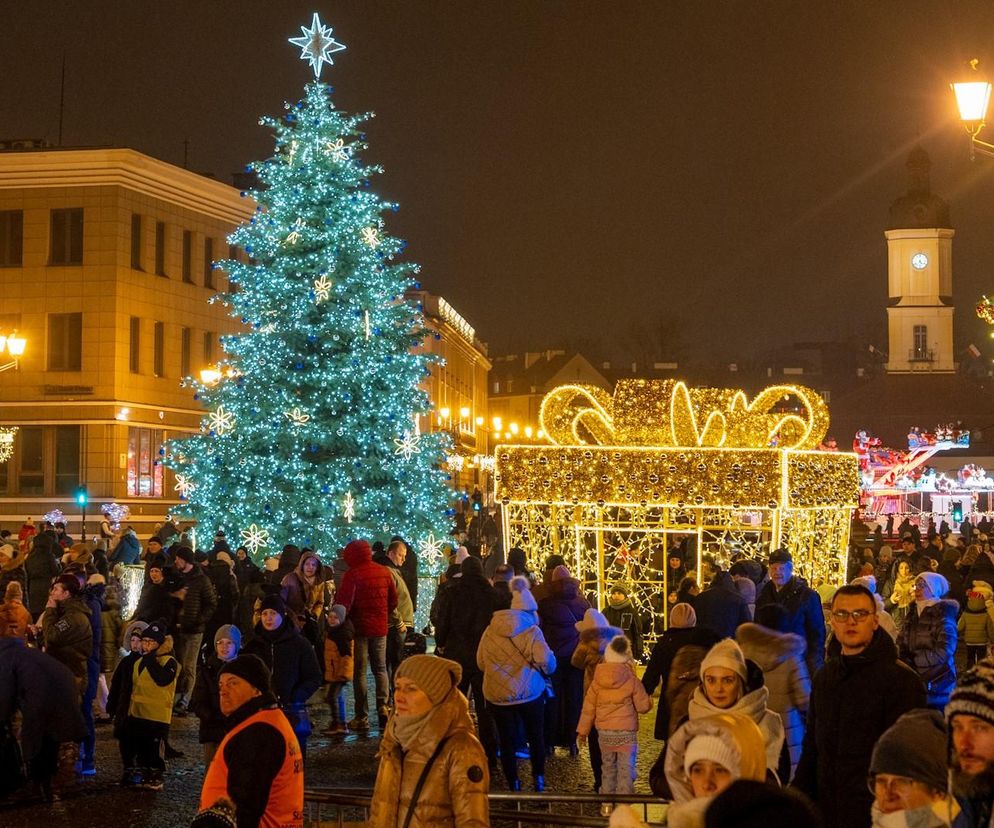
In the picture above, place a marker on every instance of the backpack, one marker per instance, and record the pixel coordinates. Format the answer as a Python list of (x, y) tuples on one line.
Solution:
[(684, 677)]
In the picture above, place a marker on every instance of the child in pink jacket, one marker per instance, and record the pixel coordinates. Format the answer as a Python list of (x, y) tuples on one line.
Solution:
[(612, 704)]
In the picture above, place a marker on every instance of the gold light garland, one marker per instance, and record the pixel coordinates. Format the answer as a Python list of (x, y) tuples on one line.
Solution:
[(7, 443)]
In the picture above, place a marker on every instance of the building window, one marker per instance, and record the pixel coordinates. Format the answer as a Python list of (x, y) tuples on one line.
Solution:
[(209, 339), (65, 341), (144, 470), (30, 461), (11, 237), (66, 237), (184, 352), (158, 349), (160, 248), (187, 256), (134, 357), (136, 242), (66, 459), (920, 334), (209, 263)]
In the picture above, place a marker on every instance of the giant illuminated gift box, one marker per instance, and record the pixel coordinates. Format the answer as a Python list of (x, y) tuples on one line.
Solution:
[(623, 473)]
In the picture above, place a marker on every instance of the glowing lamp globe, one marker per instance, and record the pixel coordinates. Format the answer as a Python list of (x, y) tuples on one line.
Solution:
[(972, 99), (16, 345)]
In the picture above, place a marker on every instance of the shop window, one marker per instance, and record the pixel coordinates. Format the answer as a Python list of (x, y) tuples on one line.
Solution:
[(31, 461), (144, 468), (67, 454)]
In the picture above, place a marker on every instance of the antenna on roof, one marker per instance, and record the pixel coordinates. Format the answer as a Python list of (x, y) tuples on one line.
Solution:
[(62, 97)]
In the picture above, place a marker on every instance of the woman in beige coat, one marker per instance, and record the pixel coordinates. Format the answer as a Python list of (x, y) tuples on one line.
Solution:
[(430, 743)]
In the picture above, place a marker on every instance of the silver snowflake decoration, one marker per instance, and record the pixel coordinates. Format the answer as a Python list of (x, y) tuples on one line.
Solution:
[(255, 538), (430, 549), (317, 45), (220, 421), (297, 417), (371, 236), (322, 289), (407, 446), (337, 150), (183, 485), (348, 507)]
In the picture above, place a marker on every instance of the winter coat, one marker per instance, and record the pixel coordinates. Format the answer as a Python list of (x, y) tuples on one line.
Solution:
[(558, 613), (590, 649), (204, 701), (14, 619), (198, 606), (455, 790), (153, 685), (720, 608), (302, 598), (513, 656), (45, 692), (367, 592), (119, 695), (41, 565), (804, 616), (927, 643), (111, 629), (339, 652), (614, 699), (404, 611), (660, 662), (156, 604), (245, 572), (128, 550), (854, 699), (13, 570), (781, 655), (225, 586), (975, 625), (462, 617), (625, 616), (68, 635), (294, 665)]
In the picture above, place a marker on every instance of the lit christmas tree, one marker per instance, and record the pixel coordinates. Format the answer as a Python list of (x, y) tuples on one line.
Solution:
[(311, 433)]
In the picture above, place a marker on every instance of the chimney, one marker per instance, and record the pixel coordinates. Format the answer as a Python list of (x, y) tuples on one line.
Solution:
[(531, 358)]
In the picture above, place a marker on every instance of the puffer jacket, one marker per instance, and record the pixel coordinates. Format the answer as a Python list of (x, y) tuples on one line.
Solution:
[(805, 616), (455, 790), (462, 618), (68, 635), (300, 597), (975, 625), (367, 592), (513, 656), (615, 699), (111, 629), (339, 653), (296, 673), (128, 549), (200, 602), (589, 651), (204, 701), (781, 655), (927, 644), (41, 565), (558, 613)]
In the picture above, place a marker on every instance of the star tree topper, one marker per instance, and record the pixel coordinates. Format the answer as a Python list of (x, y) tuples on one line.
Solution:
[(317, 45)]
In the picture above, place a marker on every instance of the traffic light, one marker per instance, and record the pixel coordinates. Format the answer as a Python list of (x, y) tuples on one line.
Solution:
[(81, 496)]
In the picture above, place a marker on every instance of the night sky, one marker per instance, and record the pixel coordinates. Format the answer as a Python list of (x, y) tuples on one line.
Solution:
[(713, 178)]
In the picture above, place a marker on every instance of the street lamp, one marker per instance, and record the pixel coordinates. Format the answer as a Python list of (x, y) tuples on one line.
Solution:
[(972, 98), (15, 346)]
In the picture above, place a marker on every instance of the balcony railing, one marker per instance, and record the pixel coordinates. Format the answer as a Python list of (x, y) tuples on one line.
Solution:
[(921, 355)]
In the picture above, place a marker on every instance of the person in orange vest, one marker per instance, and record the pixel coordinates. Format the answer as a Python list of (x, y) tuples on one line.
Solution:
[(258, 765)]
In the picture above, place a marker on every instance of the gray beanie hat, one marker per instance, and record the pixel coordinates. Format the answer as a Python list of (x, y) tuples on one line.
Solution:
[(915, 747)]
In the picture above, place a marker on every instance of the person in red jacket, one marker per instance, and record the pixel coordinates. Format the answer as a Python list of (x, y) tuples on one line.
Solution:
[(369, 596)]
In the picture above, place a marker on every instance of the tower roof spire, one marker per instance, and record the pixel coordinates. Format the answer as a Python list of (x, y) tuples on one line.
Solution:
[(919, 206)]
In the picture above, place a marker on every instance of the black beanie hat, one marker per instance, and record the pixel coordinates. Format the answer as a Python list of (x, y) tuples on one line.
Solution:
[(273, 601), (750, 804), (252, 669), (471, 566), (186, 553), (915, 747)]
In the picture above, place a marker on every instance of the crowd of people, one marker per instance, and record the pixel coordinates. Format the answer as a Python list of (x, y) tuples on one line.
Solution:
[(866, 704)]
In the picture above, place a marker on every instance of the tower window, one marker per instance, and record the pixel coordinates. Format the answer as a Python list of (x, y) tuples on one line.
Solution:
[(920, 336)]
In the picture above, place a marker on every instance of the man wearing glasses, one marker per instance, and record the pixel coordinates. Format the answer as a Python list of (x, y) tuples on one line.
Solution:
[(859, 693)]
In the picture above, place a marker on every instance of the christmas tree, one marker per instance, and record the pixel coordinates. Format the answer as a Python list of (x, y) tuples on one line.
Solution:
[(311, 433)]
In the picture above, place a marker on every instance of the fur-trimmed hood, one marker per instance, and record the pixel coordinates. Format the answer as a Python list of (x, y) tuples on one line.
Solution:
[(769, 648)]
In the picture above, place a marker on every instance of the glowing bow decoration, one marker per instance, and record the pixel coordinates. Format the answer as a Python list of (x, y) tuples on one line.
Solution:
[(667, 413)]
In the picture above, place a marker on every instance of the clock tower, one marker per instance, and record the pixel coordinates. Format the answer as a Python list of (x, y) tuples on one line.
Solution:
[(920, 276)]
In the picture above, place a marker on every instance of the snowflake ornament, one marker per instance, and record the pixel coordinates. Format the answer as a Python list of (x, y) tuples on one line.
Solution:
[(294, 236), (255, 538), (317, 45), (221, 421), (371, 236), (455, 462), (297, 417), (183, 485), (430, 549), (322, 289), (348, 507), (337, 150), (407, 446)]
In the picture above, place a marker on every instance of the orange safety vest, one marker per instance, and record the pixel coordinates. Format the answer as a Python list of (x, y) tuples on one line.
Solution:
[(285, 808)]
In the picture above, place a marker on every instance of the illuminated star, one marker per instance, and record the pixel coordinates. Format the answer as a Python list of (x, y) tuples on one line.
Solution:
[(407, 445), (348, 507), (221, 421), (322, 288), (254, 537), (337, 150), (294, 236), (371, 236), (317, 45), (183, 485), (430, 548), (297, 417)]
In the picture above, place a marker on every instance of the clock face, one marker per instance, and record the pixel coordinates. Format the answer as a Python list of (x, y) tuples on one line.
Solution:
[(919, 261)]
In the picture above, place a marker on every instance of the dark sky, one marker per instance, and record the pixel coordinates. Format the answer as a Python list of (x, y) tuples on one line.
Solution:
[(572, 170)]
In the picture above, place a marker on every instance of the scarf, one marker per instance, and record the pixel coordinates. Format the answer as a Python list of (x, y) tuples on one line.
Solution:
[(753, 705), (406, 729)]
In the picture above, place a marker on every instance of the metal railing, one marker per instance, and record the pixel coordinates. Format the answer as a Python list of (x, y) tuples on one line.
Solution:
[(350, 806)]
